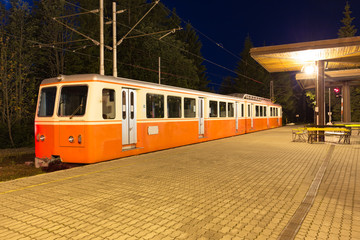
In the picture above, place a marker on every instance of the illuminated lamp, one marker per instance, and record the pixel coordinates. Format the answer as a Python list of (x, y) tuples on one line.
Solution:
[(309, 69), (337, 91)]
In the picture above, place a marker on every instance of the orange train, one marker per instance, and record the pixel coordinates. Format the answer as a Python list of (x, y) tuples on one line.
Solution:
[(91, 118)]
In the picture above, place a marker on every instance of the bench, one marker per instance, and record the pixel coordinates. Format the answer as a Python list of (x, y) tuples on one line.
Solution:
[(299, 135), (354, 127), (315, 133)]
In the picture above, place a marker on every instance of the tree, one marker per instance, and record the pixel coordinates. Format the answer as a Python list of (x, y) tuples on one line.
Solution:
[(53, 37), (292, 98), (347, 30), (21, 27), (7, 86), (251, 77), (16, 87), (33, 46), (193, 47), (138, 54)]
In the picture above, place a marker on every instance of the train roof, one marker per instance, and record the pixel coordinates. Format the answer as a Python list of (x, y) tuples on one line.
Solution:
[(138, 83)]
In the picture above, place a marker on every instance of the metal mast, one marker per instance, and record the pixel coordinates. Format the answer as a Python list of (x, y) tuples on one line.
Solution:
[(102, 68), (114, 40)]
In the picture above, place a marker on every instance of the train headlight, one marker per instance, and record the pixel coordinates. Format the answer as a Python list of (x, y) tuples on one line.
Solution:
[(79, 139), (71, 139), (38, 137), (42, 138)]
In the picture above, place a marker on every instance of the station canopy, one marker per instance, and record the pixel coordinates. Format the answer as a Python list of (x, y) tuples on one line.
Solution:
[(341, 57)]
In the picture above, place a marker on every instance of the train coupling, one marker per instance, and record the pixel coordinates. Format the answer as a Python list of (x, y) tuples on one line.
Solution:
[(46, 162)]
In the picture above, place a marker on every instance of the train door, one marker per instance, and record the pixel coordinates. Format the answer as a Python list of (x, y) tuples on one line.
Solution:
[(278, 116), (201, 116), (236, 116), (267, 116), (128, 97)]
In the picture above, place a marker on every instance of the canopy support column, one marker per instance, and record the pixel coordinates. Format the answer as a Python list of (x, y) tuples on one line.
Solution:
[(347, 104), (320, 93)]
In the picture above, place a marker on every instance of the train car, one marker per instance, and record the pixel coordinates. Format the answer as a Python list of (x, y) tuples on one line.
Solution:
[(91, 118)]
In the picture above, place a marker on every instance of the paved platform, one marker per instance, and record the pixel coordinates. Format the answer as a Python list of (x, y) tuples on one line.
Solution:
[(246, 187)]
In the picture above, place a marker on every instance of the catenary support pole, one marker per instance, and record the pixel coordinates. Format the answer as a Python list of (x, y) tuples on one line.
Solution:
[(102, 68), (114, 41)]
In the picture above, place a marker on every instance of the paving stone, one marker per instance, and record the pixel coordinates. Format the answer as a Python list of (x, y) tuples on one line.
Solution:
[(246, 187)]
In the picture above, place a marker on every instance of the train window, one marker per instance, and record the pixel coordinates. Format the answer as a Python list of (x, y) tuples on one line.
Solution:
[(108, 103), (257, 111), (230, 109), (265, 111), (47, 102), (154, 106), (124, 105), (189, 107), (132, 107), (277, 112), (261, 111), (242, 110), (73, 101), (249, 110), (222, 109), (174, 107), (213, 108)]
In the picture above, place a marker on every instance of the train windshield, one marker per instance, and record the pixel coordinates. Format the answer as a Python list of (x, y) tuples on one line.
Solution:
[(47, 102), (73, 101)]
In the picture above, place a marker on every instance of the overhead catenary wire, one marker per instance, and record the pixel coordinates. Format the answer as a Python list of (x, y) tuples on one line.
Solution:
[(209, 61), (212, 40), (77, 14), (81, 34), (167, 13), (154, 33), (91, 11), (184, 50), (207, 37), (38, 44), (122, 39), (67, 42), (181, 49)]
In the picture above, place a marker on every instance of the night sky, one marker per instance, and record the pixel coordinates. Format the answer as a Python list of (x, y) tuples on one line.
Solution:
[(267, 22)]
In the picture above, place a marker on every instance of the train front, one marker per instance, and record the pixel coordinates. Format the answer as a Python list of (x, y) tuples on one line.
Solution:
[(59, 123)]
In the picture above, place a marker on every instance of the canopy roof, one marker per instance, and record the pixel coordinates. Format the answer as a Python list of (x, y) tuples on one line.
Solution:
[(340, 53), (332, 78), (341, 56)]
